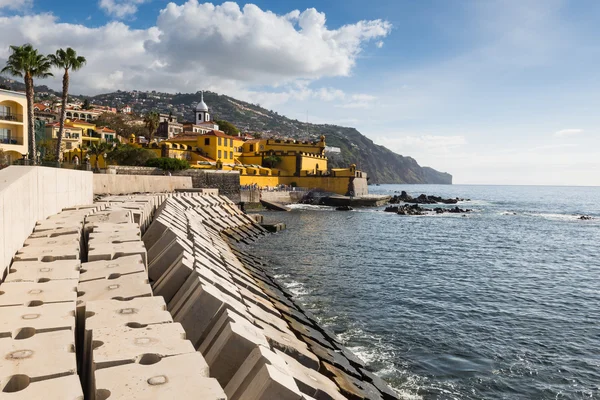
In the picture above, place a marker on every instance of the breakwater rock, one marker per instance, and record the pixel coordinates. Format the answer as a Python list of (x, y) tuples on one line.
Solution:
[(423, 199), (415, 209)]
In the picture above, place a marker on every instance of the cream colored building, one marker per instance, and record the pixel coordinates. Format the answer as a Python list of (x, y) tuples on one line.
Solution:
[(13, 124)]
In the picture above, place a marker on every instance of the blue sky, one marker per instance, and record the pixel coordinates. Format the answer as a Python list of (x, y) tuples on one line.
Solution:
[(492, 91)]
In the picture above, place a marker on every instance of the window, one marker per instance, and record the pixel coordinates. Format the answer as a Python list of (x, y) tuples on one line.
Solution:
[(225, 155), (251, 147), (230, 142), (207, 142), (207, 117), (5, 136), (200, 117), (68, 145), (219, 141), (5, 111), (219, 154), (231, 155)]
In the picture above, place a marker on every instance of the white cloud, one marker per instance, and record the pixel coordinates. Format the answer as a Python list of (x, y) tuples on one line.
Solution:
[(120, 8), (435, 143), (256, 46), (568, 132), (15, 4), (379, 44), (238, 51)]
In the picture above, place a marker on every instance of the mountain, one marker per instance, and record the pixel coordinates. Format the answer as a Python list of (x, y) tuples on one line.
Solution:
[(381, 164)]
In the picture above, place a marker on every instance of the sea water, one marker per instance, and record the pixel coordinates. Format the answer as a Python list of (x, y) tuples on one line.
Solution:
[(503, 303)]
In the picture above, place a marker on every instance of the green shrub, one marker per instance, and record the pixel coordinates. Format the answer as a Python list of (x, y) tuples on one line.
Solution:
[(130, 155), (168, 164)]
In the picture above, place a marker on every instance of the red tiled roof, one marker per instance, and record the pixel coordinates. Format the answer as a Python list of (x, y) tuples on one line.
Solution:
[(106, 130), (221, 134)]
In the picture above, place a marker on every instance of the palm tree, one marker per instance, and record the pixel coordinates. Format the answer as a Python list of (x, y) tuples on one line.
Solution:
[(97, 150), (67, 60), (26, 63), (151, 121)]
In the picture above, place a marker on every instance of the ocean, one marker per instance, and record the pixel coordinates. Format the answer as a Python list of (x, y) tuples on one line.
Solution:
[(501, 304)]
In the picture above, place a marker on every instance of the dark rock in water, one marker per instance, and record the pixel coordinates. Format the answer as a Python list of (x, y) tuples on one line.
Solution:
[(344, 208), (585, 218), (423, 199), (332, 357), (393, 209)]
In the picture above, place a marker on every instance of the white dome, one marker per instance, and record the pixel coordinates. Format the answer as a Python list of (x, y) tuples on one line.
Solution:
[(201, 106)]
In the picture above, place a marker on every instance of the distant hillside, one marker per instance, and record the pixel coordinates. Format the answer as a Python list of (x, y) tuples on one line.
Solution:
[(381, 164)]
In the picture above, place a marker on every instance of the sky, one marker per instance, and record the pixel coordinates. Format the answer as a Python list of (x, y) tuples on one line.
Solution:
[(491, 91)]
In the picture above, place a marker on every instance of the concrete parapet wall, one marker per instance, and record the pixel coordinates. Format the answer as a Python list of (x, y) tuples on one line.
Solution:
[(126, 184), (30, 194), (228, 182)]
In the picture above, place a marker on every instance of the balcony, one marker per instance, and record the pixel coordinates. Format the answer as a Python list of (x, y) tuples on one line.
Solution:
[(4, 116)]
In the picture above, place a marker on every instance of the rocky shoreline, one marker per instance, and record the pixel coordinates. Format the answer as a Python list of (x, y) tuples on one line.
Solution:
[(415, 209)]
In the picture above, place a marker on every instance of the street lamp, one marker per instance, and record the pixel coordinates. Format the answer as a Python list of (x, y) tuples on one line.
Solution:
[(105, 161), (38, 156)]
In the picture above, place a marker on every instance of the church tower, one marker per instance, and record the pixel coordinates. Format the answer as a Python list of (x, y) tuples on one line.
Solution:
[(202, 115)]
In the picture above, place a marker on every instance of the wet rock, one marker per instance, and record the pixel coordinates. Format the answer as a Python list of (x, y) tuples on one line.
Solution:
[(387, 392), (423, 199), (352, 388), (332, 357), (585, 218)]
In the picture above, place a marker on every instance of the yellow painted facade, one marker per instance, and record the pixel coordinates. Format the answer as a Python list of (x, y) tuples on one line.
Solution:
[(13, 124)]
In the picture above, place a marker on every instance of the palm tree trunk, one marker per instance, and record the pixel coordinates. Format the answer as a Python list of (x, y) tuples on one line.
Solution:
[(30, 117), (63, 113), (96, 168)]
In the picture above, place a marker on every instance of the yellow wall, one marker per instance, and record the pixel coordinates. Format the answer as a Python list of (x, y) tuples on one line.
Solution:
[(326, 183), (16, 122)]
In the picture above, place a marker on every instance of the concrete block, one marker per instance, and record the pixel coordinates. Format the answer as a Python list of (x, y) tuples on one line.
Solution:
[(113, 251), (332, 357), (130, 235), (56, 232), (123, 345), (352, 387), (37, 271), (311, 382), (35, 294), (386, 391), (39, 356), (260, 301), (269, 318), (58, 225), (170, 253), (228, 344), (125, 287), (22, 320), (48, 253), (136, 312), (112, 269), (21, 387), (67, 239), (109, 227), (308, 331), (178, 377), (174, 277), (116, 346), (198, 303), (217, 280), (262, 376), (115, 217), (288, 343)]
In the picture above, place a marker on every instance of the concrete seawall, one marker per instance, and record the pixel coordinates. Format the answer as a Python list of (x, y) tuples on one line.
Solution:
[(31, 194), (149, 296), (126, 184)]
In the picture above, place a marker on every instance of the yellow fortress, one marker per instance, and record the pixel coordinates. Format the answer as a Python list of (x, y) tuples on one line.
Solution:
[(260, 162)]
